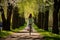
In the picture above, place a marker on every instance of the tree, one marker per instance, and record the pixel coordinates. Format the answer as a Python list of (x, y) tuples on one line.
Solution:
[(46, 15), (15, 18), (55, 17), (35, 20), (9, 13), (40, 19), (3, 18), (46, 20), (40, 14), (22, 19)]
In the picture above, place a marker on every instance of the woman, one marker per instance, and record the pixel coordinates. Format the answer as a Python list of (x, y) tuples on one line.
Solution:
[(30, 23)]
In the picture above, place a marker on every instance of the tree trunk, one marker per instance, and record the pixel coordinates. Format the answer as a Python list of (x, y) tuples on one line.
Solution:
[(3, 18), (16, 20), (40, 20), (35, 22), (46, 20), (9, 13), (0, 1), (55, 17)]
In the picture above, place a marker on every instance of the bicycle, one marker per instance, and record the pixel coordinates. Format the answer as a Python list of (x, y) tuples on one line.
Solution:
[(30, 28)]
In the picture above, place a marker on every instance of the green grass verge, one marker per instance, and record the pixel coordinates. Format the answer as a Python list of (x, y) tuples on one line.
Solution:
[(47, 35), (19, 29), (4, 34)]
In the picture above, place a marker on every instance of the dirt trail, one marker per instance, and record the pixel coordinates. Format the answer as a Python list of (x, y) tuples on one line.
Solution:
[(24, 35)]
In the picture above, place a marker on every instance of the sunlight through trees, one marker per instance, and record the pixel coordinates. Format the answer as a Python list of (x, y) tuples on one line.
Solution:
[(45, 13)]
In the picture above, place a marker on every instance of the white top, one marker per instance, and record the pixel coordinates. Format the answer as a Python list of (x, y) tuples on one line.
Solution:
[(30, 21)]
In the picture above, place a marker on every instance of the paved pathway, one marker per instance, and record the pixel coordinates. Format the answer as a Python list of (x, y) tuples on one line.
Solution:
[(24, 35)]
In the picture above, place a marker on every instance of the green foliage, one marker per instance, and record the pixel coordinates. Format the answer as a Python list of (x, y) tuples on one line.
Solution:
[(30, 6), (19, 29), (47, 35), (4, 34)]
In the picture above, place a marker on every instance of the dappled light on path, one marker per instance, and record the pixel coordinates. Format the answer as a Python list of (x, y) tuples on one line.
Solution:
[(24, 35)]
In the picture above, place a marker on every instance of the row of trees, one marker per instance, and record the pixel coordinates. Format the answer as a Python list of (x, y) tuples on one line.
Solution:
[(42, 15), (43, 18), (55, 16), (17, 21)]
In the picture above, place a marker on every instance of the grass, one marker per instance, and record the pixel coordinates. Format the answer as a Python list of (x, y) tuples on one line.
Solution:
[(4, 34), (47, 35), (19, 29)]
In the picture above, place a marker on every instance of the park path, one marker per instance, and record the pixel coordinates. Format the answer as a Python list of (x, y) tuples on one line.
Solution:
[(24, 35)]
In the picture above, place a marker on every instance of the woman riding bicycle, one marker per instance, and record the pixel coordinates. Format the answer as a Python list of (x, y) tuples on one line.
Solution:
[(30, 23)]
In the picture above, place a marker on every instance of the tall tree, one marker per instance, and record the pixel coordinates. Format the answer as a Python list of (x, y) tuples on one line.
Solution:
[(35, 20), (46, 15), (22, 19), (39, 20), (55, 17), (40, 14), (46, 20), (16, 19), (3, 18), (9, 13)]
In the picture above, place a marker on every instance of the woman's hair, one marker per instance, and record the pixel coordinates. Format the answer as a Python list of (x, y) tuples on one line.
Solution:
[(30, 15)]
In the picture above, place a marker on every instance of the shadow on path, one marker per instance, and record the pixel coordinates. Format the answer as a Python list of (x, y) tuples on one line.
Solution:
[(25, 36)]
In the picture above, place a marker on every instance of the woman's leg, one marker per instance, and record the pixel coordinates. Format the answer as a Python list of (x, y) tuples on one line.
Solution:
[(30, 29)]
